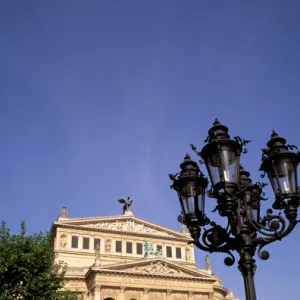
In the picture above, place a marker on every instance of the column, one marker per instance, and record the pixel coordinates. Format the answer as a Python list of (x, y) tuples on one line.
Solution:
[(190, 295), (168, 294)]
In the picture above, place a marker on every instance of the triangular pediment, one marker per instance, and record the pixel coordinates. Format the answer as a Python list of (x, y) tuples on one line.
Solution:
[(159, 267), (122, 224)]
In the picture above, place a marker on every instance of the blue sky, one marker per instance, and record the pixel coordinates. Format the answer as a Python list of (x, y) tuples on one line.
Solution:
[(101, 99)]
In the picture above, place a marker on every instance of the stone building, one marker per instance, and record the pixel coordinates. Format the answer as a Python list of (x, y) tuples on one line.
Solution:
[(127, 258)]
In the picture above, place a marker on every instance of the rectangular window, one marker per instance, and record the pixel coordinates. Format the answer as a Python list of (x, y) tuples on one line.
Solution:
[(169, 251), (74, 241), (139, 248), (86, 243), (96, 242), (119, 246), (128, 247), (159, 249), (178, 252)]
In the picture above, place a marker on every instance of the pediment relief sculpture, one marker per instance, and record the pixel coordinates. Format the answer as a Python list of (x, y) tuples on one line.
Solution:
[(156, 268), (129, 225)]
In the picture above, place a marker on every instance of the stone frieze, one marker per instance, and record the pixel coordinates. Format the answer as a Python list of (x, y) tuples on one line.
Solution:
[(128, 225)]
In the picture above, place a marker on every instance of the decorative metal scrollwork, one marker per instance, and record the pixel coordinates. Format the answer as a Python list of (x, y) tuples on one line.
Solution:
[(217, 239), (242, 142), (292, 147), (194, 148)]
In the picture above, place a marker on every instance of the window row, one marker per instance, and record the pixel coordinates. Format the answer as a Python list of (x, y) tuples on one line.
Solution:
[(118, 245), (139, 249)]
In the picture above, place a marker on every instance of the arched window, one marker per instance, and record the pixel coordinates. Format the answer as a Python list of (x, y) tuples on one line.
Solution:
[(109, 298)]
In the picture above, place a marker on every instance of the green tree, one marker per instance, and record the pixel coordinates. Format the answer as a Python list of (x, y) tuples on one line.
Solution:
[(27, 268)]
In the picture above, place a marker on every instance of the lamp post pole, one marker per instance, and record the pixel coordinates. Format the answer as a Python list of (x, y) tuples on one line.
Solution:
[(238, 199)]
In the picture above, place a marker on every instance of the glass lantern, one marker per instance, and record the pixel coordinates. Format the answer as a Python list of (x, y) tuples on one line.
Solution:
[(190, 186), (281, 166), (222, 156)]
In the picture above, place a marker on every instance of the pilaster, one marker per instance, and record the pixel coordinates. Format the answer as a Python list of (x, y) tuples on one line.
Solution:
[(80, 242), (97, 292), (122, 293), (168, 294), (146, 294), (69, 240)]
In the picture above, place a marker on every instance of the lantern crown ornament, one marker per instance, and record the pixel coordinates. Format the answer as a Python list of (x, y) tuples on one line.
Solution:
[(217, 132), (238, 199)]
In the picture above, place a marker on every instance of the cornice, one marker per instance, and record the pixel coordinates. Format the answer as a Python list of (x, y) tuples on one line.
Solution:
[(220, 289), (77, 277), (123, 266), (120, 273)]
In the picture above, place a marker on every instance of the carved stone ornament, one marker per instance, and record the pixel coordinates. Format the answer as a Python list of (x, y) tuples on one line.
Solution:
[(179, 296), (133, 295), (157, 268), (218, 281), (63, 241), (156, 296), (128, 225), (207, 263), (107, 292), (108, 246), (188, 254)]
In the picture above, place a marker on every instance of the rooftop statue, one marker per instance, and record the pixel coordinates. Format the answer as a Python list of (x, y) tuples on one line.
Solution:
[(64, 212), (127, 203)]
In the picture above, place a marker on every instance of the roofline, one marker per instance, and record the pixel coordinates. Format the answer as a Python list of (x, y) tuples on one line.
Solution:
[(179, 236), (179, 239)]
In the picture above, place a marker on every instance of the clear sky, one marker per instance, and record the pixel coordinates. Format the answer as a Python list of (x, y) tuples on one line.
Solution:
[(101, 99)]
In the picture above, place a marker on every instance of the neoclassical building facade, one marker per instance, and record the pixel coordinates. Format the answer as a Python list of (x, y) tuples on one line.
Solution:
[(127, 258)]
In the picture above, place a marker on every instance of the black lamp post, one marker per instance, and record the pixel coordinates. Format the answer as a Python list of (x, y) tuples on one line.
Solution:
[(238, 199)]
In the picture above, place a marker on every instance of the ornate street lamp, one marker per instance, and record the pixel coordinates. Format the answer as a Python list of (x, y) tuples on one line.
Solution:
[(238, 199)]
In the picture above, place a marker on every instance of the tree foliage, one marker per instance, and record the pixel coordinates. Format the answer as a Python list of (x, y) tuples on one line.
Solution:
[(27, 267)]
